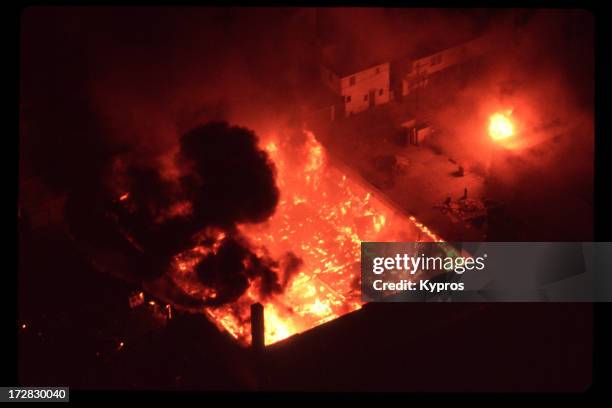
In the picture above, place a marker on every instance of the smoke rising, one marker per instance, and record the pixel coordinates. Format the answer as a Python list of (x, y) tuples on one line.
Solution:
[(230, 179), (224, 179), (230, 270), (117, 109)]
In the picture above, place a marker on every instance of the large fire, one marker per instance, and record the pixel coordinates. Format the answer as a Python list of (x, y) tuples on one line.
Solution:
[(500, 126), (322, 217)]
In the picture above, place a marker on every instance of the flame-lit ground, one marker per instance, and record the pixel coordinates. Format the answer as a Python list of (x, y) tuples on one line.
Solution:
[(322, 217)]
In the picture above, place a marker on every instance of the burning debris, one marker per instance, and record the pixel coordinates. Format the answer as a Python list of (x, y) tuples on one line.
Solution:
[(136, 299), (240, 220), (311, 244), (231, 268), (221, 178)]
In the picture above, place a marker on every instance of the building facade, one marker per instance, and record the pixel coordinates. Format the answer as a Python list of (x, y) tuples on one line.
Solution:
[(360, 90), (364, 84), (420, 70)]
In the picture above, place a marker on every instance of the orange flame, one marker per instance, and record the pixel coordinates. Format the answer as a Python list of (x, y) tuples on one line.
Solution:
[(500, 126), (322, 217)]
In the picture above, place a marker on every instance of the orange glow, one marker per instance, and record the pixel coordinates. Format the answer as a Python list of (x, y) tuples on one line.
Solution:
[(179, 209), (322, 217), (124, 197), (500, 126)]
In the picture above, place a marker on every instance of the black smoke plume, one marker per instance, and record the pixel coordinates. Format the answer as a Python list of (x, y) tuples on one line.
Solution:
[(225, 179), (230, 180), (231, 269)]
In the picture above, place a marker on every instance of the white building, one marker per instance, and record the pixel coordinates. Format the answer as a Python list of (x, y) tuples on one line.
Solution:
[(361, 86), (419, 70), (362, 83)]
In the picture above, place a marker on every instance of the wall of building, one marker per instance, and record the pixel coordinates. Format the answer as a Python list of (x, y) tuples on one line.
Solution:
[(356, 88), (421, 68)]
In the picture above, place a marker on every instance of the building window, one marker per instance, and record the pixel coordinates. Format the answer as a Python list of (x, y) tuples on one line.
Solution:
[(365, 97), (352, 80), (380, 92), (348, 98)]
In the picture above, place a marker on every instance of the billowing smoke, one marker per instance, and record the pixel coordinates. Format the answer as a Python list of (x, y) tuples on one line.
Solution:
[(132, 102), (232, 268), (229, 179), (223, 179)]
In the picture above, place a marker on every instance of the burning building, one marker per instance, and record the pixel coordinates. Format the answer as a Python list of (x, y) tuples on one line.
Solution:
[(321, 218)]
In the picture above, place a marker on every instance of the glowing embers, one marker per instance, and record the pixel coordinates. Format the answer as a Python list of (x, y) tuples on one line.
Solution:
[(500, 126), (321, 219)]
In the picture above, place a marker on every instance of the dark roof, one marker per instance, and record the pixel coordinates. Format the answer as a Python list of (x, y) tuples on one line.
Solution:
[(426, 346)]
